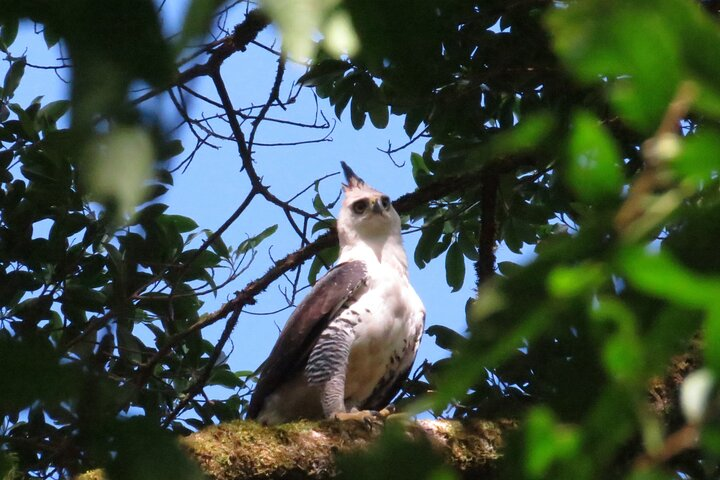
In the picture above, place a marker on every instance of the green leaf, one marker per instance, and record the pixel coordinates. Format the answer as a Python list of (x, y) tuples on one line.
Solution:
[(571, 281), (357, 111), (253, 242), (660, 275), (203, 260), (455, 267), (50, 36), (33, 372), (226, 378), (509, 268), (218, 245), (395, 455), (183, 224), (379, 115), (442, 245), (547, 441), (9, 466), (420, 170), (428, 239), (712, 337), (299, 22), (13, 77), (594, 171), (413, 119), (697, 161), (324, 71), (320, 207), (85, 298), (53, 111), (197, 20), (34, 309), (8, 33), (467, 239), (144, 451), (445, 338), (343, 92), (635, 48), (323, 259), (322, 225), (150, 213), (118, 165)]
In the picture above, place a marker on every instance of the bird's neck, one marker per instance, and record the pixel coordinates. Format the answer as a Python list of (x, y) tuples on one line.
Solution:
[(387, 251)]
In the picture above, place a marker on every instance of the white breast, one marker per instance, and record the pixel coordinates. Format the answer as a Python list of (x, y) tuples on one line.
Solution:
[(387, 336)]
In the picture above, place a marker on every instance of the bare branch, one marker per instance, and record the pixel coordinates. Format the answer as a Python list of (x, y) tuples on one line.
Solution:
[(243, 34), (272, 98)]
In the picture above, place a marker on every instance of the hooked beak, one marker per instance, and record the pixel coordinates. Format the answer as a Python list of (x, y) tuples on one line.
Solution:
[(376, 206)]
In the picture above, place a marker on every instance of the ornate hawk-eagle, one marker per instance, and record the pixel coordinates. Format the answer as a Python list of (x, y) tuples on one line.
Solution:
[(351, 342)]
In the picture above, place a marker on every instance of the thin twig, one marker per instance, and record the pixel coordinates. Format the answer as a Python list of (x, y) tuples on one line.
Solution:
[(272, 98), (243, 34), (199, 385)]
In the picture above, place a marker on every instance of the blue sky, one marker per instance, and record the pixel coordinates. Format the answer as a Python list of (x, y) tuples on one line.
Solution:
[(213, 186)]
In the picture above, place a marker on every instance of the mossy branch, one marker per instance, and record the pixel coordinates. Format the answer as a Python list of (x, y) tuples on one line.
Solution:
[(247, 450), (244, 450)]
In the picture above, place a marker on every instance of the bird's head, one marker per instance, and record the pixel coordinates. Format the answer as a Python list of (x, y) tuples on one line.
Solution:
[(365, 213)]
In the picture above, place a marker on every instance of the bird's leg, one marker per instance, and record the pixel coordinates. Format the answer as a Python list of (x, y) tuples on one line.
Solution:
[(327, 365), (333, 395), (333, 402)]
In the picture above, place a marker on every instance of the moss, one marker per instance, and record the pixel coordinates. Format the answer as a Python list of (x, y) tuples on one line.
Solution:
[(304, 449), (92, 475)]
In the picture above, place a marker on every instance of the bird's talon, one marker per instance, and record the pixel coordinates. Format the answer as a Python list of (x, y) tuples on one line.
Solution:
[(368, 417), (387, 411)]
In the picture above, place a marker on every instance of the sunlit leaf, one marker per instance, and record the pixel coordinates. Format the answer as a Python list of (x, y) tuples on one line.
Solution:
[(340, 36), (625, 45), (594, 171), (660, 275), (547, 441), (253, 242), (197, 19), (118, 165), (299, 22), (576, 280)]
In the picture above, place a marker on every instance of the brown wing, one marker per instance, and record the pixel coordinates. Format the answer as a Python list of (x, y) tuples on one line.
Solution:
[(303, 328)]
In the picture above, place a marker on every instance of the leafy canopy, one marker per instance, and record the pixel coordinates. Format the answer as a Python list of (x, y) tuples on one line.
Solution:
[(584, 132)]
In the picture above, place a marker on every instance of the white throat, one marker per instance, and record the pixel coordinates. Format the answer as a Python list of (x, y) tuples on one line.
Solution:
[(387, 250)]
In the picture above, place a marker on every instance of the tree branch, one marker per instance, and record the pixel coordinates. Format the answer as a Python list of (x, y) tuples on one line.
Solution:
[(243, 34), (307, 450)]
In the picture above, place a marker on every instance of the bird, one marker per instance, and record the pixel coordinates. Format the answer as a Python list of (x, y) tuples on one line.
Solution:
[(351, 342)]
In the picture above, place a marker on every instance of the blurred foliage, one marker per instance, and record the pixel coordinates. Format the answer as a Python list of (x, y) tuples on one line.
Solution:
[(599, 121), (95, 276)]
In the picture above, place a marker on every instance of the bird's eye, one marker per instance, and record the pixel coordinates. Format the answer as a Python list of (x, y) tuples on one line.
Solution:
[(385, 202), (360, 206)]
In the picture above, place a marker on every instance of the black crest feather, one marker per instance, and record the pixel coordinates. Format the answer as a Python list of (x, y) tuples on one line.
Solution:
[(353, 181)]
